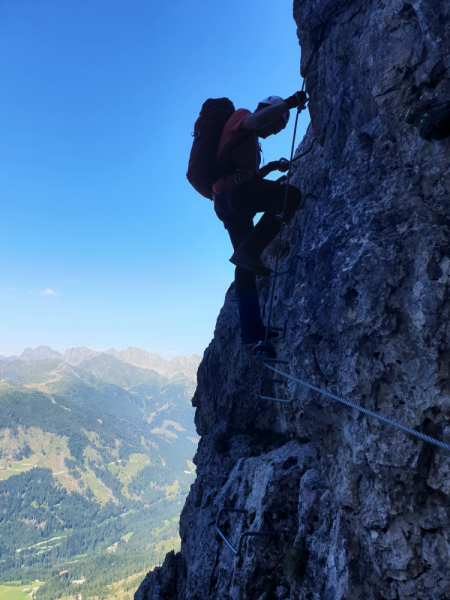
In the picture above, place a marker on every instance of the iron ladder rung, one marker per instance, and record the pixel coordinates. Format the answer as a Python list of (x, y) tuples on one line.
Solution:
[(288, 270), (270, 397), (243, 535), (260, 357)]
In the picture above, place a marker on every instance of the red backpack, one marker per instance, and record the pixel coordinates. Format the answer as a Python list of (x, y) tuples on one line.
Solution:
[(202, 171)]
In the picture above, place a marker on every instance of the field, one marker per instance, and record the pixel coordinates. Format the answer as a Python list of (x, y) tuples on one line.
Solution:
[(18, 592)]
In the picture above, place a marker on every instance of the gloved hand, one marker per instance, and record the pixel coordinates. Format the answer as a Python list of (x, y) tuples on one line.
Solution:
[(277, 165), (296, 99), (283, 165)]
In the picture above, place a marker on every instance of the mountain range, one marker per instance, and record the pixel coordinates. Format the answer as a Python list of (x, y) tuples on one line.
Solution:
[(179, 365)]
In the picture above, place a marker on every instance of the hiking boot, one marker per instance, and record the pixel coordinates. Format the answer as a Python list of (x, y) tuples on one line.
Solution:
[(259, 335), (248, 261)]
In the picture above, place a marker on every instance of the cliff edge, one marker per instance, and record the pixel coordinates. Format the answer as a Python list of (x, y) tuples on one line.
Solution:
[(359, 508)]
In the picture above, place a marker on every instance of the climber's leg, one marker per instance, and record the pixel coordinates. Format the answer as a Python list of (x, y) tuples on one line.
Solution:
[(239, 224), (259, 195)]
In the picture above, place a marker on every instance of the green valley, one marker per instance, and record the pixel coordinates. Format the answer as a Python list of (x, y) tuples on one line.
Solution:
[(95, 464)]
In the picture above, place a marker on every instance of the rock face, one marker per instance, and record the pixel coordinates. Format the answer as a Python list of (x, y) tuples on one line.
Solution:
[(360, 509)]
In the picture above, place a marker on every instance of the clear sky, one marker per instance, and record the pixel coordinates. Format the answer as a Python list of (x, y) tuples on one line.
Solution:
[(103, 243)]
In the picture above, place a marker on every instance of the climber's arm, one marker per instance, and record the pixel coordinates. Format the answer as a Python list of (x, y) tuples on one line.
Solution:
[(276, 165), (266, 116)]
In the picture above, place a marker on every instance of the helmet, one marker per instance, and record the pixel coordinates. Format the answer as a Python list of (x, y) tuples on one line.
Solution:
[(271, 101)]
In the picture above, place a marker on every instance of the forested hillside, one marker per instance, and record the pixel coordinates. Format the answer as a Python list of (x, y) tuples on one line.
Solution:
[(95, 463)]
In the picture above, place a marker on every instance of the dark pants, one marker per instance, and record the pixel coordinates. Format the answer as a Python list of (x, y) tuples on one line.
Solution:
[(236, 208)]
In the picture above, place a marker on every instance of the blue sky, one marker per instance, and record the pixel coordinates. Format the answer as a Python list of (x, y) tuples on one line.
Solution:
[(102, 241)]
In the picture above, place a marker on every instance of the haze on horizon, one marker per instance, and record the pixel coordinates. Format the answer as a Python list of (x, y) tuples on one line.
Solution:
[(82, 352)]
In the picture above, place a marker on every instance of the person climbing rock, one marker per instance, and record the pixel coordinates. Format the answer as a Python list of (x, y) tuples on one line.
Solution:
[(242, 193)]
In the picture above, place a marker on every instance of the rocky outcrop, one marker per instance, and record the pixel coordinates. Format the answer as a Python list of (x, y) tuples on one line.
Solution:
[(360, 510)]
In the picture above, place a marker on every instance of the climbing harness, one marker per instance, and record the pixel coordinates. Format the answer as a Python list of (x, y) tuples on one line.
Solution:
[(242, 175), (243, 535), (422, 436)]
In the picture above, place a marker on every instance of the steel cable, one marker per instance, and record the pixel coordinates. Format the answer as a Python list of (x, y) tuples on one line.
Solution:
[(422, 436), (280, 235), (288, 177)]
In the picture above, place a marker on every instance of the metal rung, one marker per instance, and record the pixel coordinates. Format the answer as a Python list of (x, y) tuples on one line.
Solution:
[(283, 332), (260, 357), (288, 270), (224, 510), (243, 535), (270, 397)]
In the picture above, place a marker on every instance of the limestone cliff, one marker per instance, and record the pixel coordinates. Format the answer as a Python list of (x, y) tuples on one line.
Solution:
[(361, 510)]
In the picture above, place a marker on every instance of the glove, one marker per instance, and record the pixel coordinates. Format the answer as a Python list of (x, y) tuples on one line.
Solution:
[(283, 165), (279, 165), (296, 99)]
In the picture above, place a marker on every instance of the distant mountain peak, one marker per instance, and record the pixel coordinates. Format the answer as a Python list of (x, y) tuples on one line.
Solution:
[(179, 366), (13, 357), (75, 356), (40, 353)]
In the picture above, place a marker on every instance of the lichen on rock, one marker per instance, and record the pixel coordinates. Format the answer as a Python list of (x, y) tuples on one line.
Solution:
[(367, 309)]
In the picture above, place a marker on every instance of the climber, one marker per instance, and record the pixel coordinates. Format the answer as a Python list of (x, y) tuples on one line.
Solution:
[(243, 193)]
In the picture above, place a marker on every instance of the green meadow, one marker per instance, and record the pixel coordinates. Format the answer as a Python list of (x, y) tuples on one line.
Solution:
[(16, 591)]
